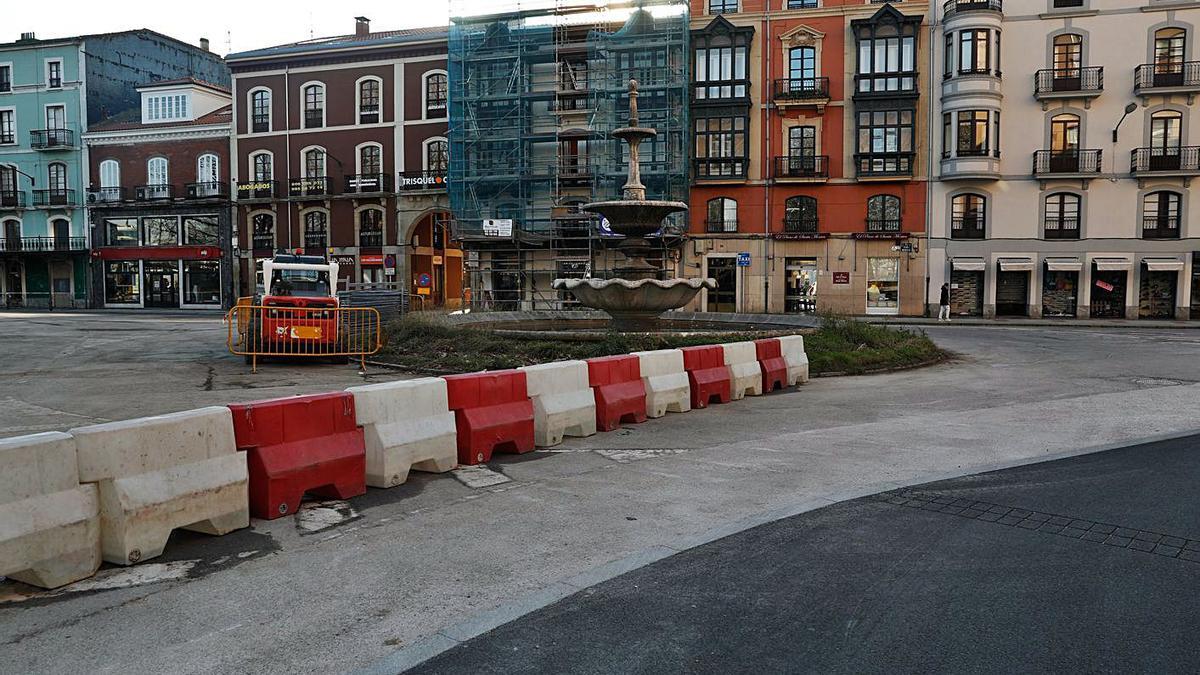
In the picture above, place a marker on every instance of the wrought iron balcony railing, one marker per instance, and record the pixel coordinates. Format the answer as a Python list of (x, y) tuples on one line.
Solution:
[(801, 89), (883, 224), (1183, 160), (52, 139), (1160, 227), (54, 197), (12, 199), (952, 7), (309, 187), (967, 228), (719, 226), (1061, 228), (368, 182), (1051, 82), (1066, 161), (800, 225), (153, 193), (213, 189), (1172, 74), (42, 244), (107, 195), (802, 166)]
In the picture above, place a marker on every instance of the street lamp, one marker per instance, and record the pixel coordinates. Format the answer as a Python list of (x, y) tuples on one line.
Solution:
[(1128, 109)]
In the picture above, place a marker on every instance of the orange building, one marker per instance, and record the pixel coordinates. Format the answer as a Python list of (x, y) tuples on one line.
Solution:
[(809, 156)]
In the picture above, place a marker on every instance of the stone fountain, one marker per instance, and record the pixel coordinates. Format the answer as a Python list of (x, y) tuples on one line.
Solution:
[(637, 297)]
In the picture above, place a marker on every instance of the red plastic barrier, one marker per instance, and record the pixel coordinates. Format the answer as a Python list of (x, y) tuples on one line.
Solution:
[(492, 413), (707, 374), (300, 444), (770, 361), (620, 391)]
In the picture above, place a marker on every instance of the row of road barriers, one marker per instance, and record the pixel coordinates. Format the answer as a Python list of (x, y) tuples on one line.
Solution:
[(114, 492)]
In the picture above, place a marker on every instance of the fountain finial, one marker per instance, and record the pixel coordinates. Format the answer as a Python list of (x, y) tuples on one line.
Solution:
[(633, 96)]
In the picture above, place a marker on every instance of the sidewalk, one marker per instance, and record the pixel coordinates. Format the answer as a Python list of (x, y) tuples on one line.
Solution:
[(1145, 324)]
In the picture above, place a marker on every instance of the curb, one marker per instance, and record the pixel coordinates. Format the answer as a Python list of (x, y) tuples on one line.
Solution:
[(890, 369)]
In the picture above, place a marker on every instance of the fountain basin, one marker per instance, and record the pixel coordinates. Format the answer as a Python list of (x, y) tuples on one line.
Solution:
[(635, 218), (634, 305)]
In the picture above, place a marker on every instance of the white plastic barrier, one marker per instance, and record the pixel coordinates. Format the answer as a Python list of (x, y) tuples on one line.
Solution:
[(792, 347), (157, 474), (408, 425), (49, 523), (744, 371), (563, 401), (667, 388)]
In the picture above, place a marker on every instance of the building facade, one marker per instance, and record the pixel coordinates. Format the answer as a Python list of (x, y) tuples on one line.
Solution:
[(158, 200), (340, 149), (50, 92), (809, 143), (1064, 162)]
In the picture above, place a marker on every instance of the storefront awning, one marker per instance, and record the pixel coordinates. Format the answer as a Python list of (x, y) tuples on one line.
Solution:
[(1163, 264), (1016, 264), (1064, 264), (1113, 264), (968, 264)]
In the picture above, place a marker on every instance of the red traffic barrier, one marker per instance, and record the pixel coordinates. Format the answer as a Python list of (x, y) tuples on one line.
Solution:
[(620, 391), (707, 374), (492, 413), (300, 444), (770, 360)]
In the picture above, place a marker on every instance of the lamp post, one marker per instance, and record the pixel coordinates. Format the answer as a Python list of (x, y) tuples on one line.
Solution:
[(1128, 109)]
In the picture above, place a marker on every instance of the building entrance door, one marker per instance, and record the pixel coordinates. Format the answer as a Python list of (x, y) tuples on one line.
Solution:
[(14, 286), (1157, 297), (724, 298), (161, 283), (1108, 294), (966, 293), (1012, 293)]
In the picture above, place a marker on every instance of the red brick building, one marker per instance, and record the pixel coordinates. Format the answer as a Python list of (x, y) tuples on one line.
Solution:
[(817, 177), (158, 200), (340, 150)]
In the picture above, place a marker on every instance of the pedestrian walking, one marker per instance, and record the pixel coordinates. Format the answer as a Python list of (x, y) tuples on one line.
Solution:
[(944, 304)]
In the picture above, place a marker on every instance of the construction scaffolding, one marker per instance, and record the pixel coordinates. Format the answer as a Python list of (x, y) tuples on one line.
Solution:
[(536, 87)]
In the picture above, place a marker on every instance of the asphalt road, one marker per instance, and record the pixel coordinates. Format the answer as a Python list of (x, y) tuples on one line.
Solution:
[(1089, 564)]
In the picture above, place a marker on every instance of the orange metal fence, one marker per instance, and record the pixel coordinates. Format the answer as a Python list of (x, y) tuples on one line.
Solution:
[(337, 333)]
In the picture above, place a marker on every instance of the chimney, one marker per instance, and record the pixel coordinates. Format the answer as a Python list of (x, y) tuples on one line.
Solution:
[(28, 37), (204, 44), (362, 26)]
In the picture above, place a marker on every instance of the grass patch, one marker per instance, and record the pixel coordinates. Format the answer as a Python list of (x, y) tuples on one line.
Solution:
[(424, 344)]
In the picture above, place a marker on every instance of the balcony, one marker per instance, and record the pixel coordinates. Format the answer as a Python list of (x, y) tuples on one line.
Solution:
[(1061, 228), (153, 193), (1167, 78), (967, 228), (1085, 163), (257, 189), (720, 168), (720, 226), (309, 187), (800, 225), (894, 165), (368, 183), (1052, 83), (1160, 227), (421, 181), (54, 197), (883, 225), (802, 168), (213, 189), (801, 91), (42, 244), (1181, 161), (14, 199), (52, 139), (107, 195), (954, 7)]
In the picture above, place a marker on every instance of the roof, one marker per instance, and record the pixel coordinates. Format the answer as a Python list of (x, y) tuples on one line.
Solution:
[(184, 80), (352, 41), (43, 42), (131, 120)]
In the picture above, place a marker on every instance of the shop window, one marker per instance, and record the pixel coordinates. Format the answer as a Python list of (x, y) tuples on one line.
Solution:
[(121, 231), (122, 282), (1060, 293), (316, 226), (800, 295), (200, 231), (883, 285), (160, 231), (201, 282)]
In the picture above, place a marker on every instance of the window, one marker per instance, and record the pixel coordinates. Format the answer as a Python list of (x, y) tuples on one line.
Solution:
[(1165, 129), (802, 63), (887, 58), (1064, 134), (972, 133), (8, 131), (437, 155), (948, 57), (200, 231), (368, 101), (315, 229), (314, 163), (801, 4), (721, 72), (167, 107), (5, 79), (883, 213), (883, 285), (110, 174), (722, 215), (800, 214), (436, 89), (802, 142), (208, 169), (720, 146), (1068, 3), (370, 228), (160, 231), (885, 141), (54, 74), (1160, 215), (722, 6), (1062, 216), (1068, 55), (262, 231), (201, 282), (121, 231), (314, 106), (370, 160), (122, 282), (973, 54), (1168, 50), (262, 167), (260, 111), (157, 181), (56, 117), (947, 134), (967, 217), (57, 175)]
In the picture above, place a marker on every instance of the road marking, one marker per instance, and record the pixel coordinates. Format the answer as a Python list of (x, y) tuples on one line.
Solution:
[(479, 476)]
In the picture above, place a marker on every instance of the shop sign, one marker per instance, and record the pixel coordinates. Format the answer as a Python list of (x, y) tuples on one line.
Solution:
[(422, 181), (253, 187), (1104, 285), (743, 259), (374, 260), (345, 261), (498, 227), (369, 183), (841, 278)]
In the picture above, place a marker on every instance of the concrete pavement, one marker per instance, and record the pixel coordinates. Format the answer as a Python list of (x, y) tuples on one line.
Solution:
[(419, 568)]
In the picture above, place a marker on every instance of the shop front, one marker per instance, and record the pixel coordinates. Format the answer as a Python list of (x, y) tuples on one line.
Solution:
[(1060, 287), (883, 286), (1012, 286), (723, 270), (800, 293), (1194, 313), (966, 286), (181, 277), (1109, 283), (1157, 292)]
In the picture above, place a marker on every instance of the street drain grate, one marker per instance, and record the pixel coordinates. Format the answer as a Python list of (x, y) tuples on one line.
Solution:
[(1065, 526)]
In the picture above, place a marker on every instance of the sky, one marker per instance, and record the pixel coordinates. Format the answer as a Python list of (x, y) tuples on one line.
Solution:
[(230, 25)]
